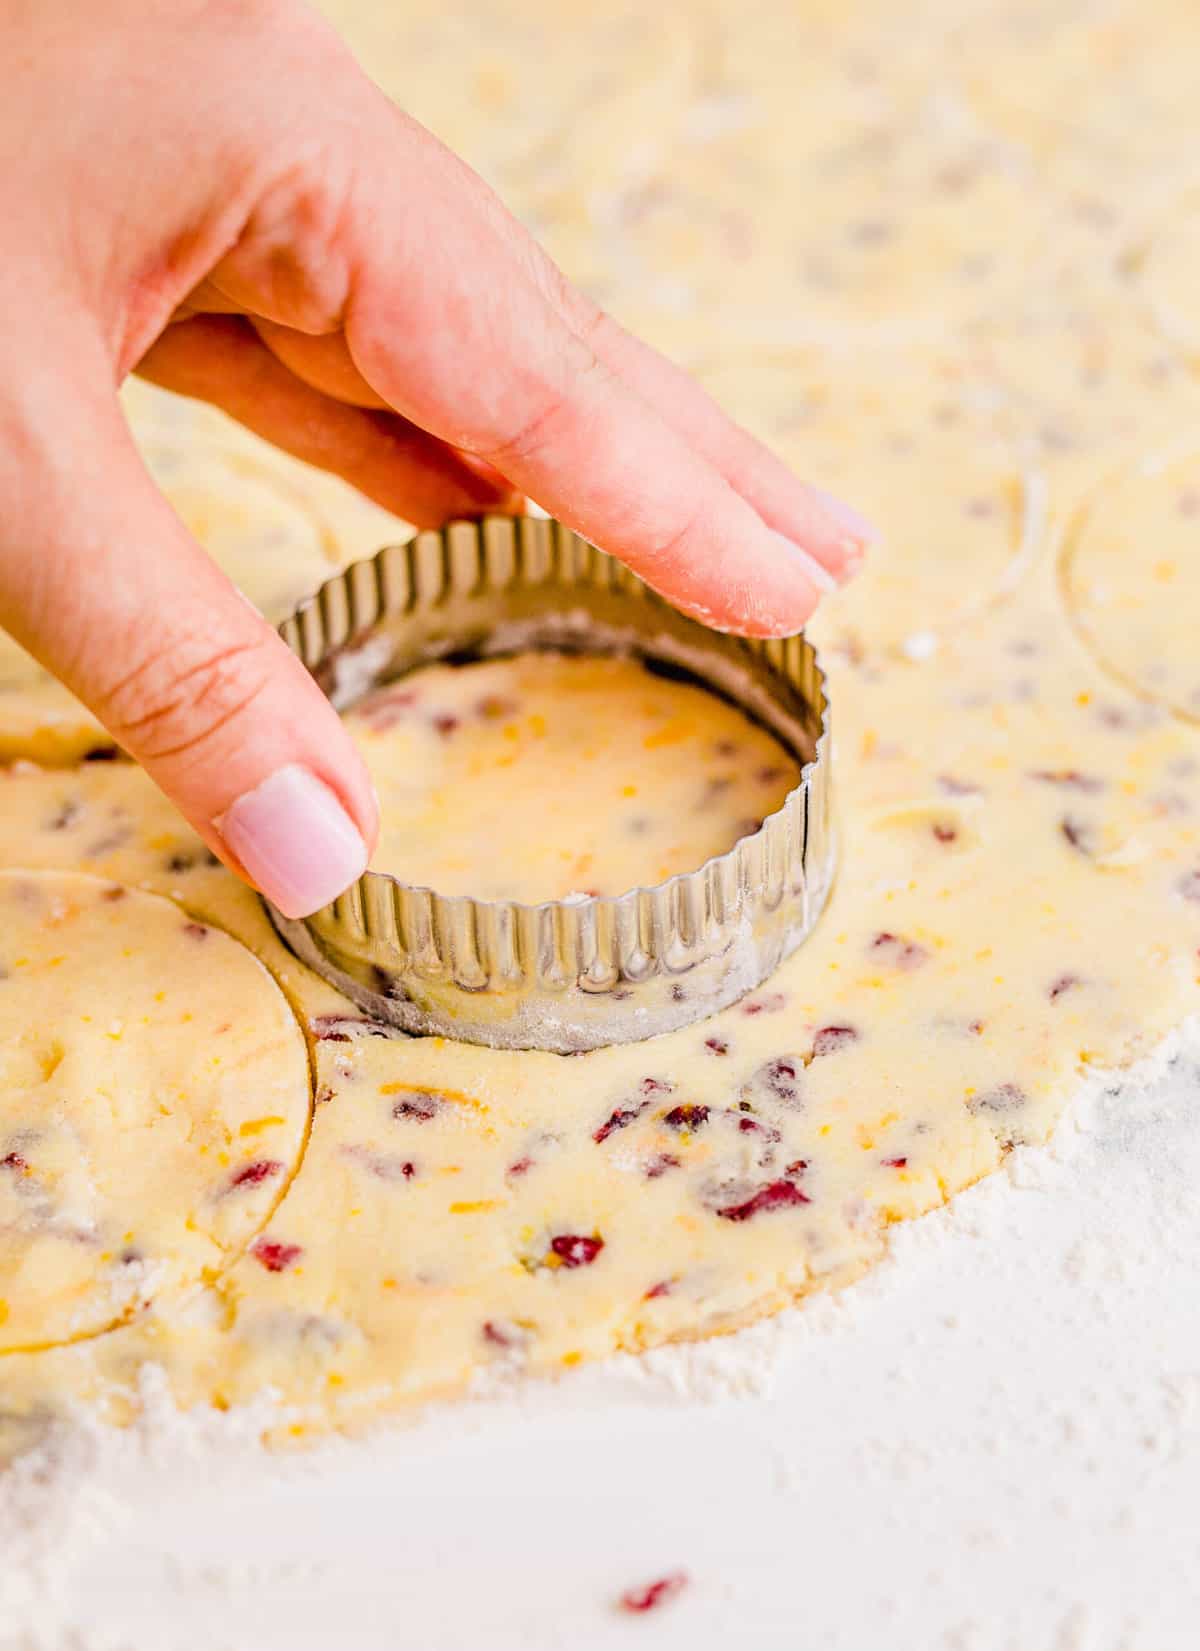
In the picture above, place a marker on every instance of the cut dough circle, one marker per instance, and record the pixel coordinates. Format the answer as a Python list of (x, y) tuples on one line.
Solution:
[(1130, 568), (545, 775), (154, 1103)]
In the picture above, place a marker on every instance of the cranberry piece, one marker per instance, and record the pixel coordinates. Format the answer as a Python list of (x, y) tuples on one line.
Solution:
[(14, 1161), (782, 1078), (620, 1119), (445, 724), (196, 930), (689, 1116), (662, 1288), (575, 1249), (945, 833), (275, 1256), (520, 1166), (253, 1175), (775, 1195), (898, 952), (894, 1163), (659, 1165), (830, 1039), (796, 1167), (505, 1333), (656, 1086), (769, 1004), (420, 1105), (1064, 983), (716, 1046), (1077, 834), (651, 1595)]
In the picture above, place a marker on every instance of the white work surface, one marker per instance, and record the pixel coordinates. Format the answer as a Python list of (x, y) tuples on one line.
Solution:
[(990, 1444)]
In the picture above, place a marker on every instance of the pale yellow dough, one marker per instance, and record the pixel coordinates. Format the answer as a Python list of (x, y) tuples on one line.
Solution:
[(154, 1104), (542, 776), (930, 258)]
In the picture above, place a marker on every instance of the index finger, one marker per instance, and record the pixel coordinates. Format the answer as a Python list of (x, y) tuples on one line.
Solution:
[(469, 331)]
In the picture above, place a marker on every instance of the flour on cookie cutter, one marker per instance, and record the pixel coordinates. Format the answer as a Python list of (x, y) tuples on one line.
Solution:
[(579, 973)]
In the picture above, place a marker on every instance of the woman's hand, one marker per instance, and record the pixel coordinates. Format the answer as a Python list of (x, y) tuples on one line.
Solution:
[(213, 193)]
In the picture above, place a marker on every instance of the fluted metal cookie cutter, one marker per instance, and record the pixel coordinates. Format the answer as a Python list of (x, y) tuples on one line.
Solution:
[(579, 973)]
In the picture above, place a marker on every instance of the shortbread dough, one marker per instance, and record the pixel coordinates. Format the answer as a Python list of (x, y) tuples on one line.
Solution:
[(154, 1103), (902, 246), (584, 776)]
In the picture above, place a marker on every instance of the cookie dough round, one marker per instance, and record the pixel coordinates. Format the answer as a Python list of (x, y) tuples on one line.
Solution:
[(1131, 568), (266, 535), (545, 775), (154, 1101)]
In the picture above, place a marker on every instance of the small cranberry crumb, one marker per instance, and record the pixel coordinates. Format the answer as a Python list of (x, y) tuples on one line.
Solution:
[(1064, 983), (944, 833), (620, 1119), (769, 1004), (662, 1288), (275, 1256), (689, 1116), (520, 1166), (196, 930), (894, 1163), (659, 1165), (1071, 778), (656, 1086), (576, 1250), (651, 1595), (504, 1333), (445, 724), (796, 1167), (898, 951), (253, 1175), (1078, 835), (716, 1046), (775, 1195), (419, 1105), (14, 1161), (830, 1039)]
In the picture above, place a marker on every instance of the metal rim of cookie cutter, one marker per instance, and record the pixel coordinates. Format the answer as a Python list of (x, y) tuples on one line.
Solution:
[(580, 973)]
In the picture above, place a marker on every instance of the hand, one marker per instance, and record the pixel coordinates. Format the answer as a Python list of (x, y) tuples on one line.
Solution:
[(212, 192)]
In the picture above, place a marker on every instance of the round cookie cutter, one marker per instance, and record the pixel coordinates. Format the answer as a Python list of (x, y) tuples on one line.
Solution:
[(579, 973)]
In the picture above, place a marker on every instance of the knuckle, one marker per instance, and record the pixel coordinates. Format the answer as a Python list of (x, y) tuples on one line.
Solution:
[(180, 696)]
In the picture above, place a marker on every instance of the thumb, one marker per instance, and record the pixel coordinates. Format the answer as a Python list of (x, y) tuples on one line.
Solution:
[(109, 591)]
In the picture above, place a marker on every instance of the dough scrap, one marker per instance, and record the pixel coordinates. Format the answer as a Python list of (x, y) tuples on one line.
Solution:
[(154, 1102)]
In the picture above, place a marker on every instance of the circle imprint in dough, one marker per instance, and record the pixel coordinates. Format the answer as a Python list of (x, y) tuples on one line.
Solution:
[(154, 1102), (1130, 577)]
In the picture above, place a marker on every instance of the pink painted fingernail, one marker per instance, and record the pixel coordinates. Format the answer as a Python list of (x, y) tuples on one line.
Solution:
[(845, 519), (295, 840)]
